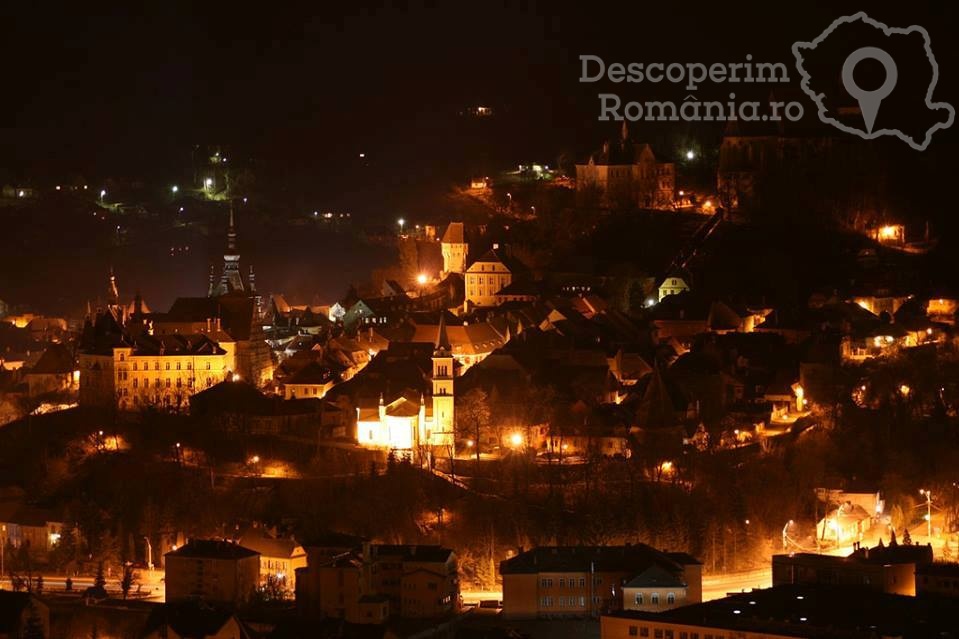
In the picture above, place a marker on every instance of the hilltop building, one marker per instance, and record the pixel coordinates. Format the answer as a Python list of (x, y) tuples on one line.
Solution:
[(625, 173)]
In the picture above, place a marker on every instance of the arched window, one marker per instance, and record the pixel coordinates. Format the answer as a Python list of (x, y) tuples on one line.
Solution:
[(671, 598), (654, 599), (639, 599)]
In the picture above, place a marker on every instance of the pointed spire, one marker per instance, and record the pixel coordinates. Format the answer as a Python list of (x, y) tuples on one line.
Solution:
[(113, 295), (231, 232), (442, 341)]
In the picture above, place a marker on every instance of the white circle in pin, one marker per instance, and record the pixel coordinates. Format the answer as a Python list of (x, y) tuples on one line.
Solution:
[(869, 101)]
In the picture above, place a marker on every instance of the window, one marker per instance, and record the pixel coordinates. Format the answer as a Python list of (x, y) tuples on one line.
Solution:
[(208, 365), (582, 582), (562, 602), (134, 366), (178, 365), (658, 633), (633, 631), (639, 599), (562, 582), (671, 598), (644, 631), (547, 583), (135, 380), (654, 599), (582, 602), (669, 634), (167, 365), (156, 366), (122, 357), (189, 366)]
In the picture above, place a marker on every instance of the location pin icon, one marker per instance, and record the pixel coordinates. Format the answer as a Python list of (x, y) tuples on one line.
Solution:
[(869, 101)]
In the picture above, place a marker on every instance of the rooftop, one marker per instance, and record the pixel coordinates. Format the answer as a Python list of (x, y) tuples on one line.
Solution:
[(212, 549), (815, 612), (636, 558)]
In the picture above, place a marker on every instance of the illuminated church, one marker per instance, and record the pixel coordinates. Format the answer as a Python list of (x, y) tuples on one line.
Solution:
[(413, 423)]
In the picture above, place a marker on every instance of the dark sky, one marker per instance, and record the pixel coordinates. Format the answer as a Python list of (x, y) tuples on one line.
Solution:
[(130, 89), (299, 90)]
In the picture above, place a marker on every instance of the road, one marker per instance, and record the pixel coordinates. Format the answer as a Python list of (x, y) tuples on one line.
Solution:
[(718, 586), (476, 596), (150, 584)]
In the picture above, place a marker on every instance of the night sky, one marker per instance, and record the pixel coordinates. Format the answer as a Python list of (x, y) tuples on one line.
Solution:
[(298, 91)]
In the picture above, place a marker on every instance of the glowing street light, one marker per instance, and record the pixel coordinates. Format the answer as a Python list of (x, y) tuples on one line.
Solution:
[(236, 377), (174, 189), (401, 222), (103, 193), (208, 183), (516, 440), (470, 443), (690, 155), (928, 517), (421, 279)]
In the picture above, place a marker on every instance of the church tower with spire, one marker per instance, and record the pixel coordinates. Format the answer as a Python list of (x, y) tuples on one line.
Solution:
[(230, 280), (443, 397)]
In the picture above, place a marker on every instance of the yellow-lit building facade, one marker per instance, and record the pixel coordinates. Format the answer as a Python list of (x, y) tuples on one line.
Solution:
[(485, 277), (159, 372)]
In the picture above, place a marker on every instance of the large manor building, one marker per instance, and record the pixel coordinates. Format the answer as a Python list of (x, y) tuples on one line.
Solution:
[(131, 358)]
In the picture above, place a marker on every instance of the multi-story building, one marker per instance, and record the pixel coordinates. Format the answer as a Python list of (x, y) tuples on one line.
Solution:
[(420, 581), (212, 571), (489, 274), (118, 369), (890, 569), (455, 249), (368, 583), (577, 581), (279, 557), (625, 173), (938, 578)]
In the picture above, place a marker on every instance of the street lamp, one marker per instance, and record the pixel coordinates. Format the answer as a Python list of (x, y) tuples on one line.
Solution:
[(786, 533), (174, 189), (401, 222), (928, 517), (690, 155)]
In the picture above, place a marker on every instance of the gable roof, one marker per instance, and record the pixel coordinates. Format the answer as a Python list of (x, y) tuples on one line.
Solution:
[(212, 549), (57, 359), (454, 234)]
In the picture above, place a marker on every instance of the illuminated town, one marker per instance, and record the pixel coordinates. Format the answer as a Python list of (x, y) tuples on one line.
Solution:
[(346, 322)]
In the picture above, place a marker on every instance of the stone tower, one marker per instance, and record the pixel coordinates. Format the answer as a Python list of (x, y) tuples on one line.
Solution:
[(442, 431)]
